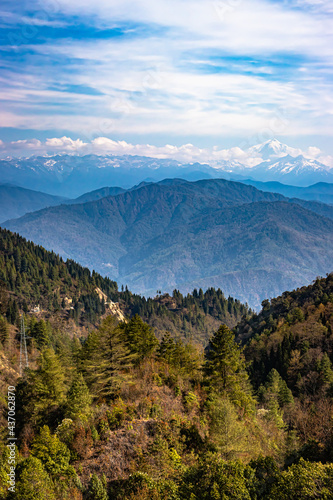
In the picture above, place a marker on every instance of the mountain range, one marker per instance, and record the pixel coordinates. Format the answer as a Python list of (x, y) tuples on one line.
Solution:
[(180, 234), (321, 191), (73, 175), (16, 201)]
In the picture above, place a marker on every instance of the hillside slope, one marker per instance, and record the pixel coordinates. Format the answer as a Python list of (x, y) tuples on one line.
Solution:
[(321, 191), (185, 235), (39, 282), (292, 333), (16, 201)]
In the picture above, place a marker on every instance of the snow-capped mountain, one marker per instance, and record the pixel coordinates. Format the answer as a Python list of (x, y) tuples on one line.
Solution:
[(71, 175), (272, 149), (296, 171)]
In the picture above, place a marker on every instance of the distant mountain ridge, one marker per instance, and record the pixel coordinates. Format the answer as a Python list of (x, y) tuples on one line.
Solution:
[(16, 201), (179, 234), (298, 171), (73, 175), (321, 191)]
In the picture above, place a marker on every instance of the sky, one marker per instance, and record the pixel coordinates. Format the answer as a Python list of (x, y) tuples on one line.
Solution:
[(164, 75)]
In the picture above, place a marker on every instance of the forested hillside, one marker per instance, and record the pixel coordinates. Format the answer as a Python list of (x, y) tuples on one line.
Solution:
[(34, 279), (291, 341), (16, 201), (120, 413), (179, 234)]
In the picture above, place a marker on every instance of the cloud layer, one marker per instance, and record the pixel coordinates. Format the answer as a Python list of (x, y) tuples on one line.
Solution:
[(168, 69), (187, 153)]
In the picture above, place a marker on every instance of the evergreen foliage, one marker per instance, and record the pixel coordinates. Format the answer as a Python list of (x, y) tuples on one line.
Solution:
[(139, 337), (35, 276), (109, 359), (33, 482), (4, 330), (78, 401), (96, 489), (42, 390), (225, 368), (53, 454), (31, 276), (123, 414)]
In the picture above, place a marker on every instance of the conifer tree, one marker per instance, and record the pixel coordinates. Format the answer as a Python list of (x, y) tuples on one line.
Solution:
[(325, 368), (139, 336), (34, 483), (52, 453), (43, 389), (108, 360), (40, 332), (78, 399), (96, 489), (225, 368), (4, 330)]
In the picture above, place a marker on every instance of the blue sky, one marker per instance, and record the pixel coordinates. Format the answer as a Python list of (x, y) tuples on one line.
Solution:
[(220, 73)]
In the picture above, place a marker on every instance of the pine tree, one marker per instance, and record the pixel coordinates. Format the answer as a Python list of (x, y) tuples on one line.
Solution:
[(96, 489), (326, 370), (139, 337), (225, 368), (43, 389), (4, 330), (41, 334), (52, 453), (109, 359), (78, 399), (34, 483)]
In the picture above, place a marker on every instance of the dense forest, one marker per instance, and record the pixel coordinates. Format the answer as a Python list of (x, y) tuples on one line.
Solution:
[(144, 407), (31, 276)]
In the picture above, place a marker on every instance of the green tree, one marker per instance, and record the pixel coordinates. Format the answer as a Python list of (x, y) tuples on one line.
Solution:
[(185, 357), (325, 368), (224, 368), (305, 480), (109, 359), (266, 472), (42, 390), (216, 479), (96, 489), (33, 482), (41, 333), (52, 453), (226, 430), (4, 330), (78, 400), (275, 395), (4, 470), (139, 336)]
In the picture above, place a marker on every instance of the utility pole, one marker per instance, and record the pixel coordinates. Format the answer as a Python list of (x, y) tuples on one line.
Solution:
[(24, 361)]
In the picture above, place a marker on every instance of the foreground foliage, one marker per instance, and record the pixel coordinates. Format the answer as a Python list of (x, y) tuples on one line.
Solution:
[(121, 414)]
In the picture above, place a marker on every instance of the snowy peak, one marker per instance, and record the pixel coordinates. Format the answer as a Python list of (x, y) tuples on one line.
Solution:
[(296, 171), (298, 165), (272, 148)]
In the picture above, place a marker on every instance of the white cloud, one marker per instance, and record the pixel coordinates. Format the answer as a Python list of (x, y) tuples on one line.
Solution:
[(186, 153), (65, 144), (162, 81), (34, 144)]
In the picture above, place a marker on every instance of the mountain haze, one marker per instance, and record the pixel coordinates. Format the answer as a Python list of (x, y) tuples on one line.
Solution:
[(321, 191), (16, 201), (72, 175), (179, 234)]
